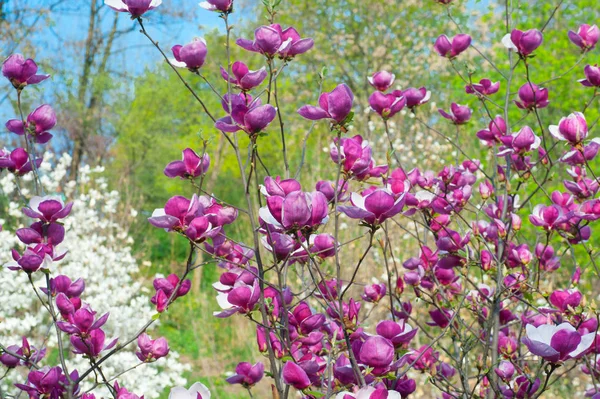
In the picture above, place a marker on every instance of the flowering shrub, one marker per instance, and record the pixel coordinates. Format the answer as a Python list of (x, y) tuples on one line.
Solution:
[(488, 305)]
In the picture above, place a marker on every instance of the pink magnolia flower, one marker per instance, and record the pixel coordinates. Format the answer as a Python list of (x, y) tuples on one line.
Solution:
[(82, 321), (573, 129), (47, 382), (370, 392), (296, 211), (484, 87), (243, 77), (523, 43), (387, 105), (247, 374), (592, 76), (191, 55), (548, 217), (355, 155), (123, 393), (382, 80), (460, 114), (17, 161), (271, 40), (217, 5), (92, 343), (177, 213), (556, 343), (250, 116), (452, 48), (164, 289), (35, 258), (295, 376), (374, 292), (415, 97), (520, 143), (373, 207), (21, 72), (335, 105), (505, 370), (48, 209), (565, 299), (586, 37), (399, 333), (241, 299), (531, 96), (377, 352), (37, 125), (136, 8), (196, 391), (39, 232), (191, 165), (493, 134), (151, 349)]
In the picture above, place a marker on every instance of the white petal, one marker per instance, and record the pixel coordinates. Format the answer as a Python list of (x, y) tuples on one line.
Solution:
[(586, 341), (179, 393), (508, 43), (265, 215), (223, 302), (207, 6), (555, 132), (358, 200), (178, 64), (200, 388)]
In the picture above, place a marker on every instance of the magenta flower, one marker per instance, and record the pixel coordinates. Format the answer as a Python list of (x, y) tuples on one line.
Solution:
[(573, 129), (82, 321), (398, 333), (164, 289), (373, 207), (493, 134), (247, 374), (520, 142), (484, 87), (415, 97), (217, 5), (21, 72), (48, 209), (151, 349), (523, 43), (382, 80), (547, 217), (177, 213), (271, 40), (505, 370), (295, 376), (460, 114), (35, 258), (377, 352), (355, 155), (39, 232), (328, 189), (17, 161), (9, 360), (136, 8), (387, 105), (191, 55), (123, 393), (296, 211), (586, 37), (452, 48), (250, 116), (576, 157), (557, 343), (335, 105), (532, 96), (47, 382), (91, 344), (565, 300), (374, 292), (191, 165), (323, 245), (279, 187), (592, 76), (37, 125), (243, 77), (241, 299)]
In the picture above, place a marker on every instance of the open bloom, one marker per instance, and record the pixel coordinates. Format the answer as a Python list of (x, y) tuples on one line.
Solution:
[(296, 211), (531, 96), (217, 5), (151, 349), (136, 8), (523, 43), (355, 155), (190, 166), (21, 72), (382, 80), (586, 37), (484, 87), (573, 128), (92, 344), (196, 391), (241, 299), (250, 116), (335, 105), (450, 49), (520, 142), (177, 213), (271, 40), (565, 299), (191, 55), (48, 209), (592, 76), (460, 114), (415, 97), (387, 105), (243, 77), (373, 207), (47, 382), (37, 125), (557, 343), (247, 374), (17, 161)]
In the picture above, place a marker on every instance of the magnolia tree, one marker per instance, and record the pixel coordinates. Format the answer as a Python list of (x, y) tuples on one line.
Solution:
[(488, 307)]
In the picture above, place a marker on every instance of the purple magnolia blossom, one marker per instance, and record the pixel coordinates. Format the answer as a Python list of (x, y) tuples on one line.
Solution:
[(547, 217), (586, 37), (452, 48), (37, 125), (387, 105), (557, 343), (496, 129), (415, 97), (151, 349), (243, 77), (382, 80), (592, 76), (459, 114), (250, 116), (191, 55), (374, 292), (123, 393), (295, 376), (399, 333), (335, 105), (272, 40), (531, 96), (521, 142), (177, 213), (328, 189), (48, 209), (35, 258), (373, 207), (355, 155), (217, 5), (21, 72), (164, 290), (505, 370), (38, 233), (47, 382), (92, 344), (298, 210), (485, 87), (565, 299), (241, 299), (82, 321), (523, 43), (323, 245), (9, 360), (190, 166), (579, 157), (377, 352), (278, 187), (136, 8), (17, 161), (247, 374), (573, 129)]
